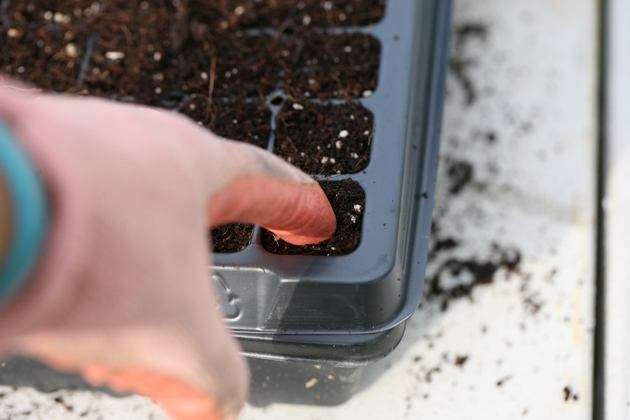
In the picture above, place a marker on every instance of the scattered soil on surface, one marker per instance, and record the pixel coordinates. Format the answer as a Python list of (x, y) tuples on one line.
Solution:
[(460, 360), (470, 30), (568, 394), (460, 174), (348, 201), (503, 380), (231, 238), (460, 63), (324, 139), (459, 257), (459, 69), (442, 245), (475, 272)]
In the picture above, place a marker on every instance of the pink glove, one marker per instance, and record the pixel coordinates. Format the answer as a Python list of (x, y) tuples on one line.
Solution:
[(122, 293)]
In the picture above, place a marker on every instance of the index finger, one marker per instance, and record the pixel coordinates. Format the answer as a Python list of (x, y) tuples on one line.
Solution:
[(298, 213)]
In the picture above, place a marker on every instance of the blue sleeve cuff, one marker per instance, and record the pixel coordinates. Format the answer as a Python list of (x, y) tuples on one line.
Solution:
[(29, 215)]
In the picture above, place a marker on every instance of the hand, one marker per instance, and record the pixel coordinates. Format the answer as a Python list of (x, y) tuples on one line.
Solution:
[(123, 292)]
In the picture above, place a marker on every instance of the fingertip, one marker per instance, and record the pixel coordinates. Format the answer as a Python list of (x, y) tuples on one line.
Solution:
[(315, 229), (299, 213)]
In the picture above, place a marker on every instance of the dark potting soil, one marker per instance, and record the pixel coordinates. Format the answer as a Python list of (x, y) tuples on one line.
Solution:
[(348, 201), (324, 139), (317, 65), (231, 238), (283, 15), (305, 64), (235, 66), (145, 53), (249, 122), (195, 58), (111, 49)]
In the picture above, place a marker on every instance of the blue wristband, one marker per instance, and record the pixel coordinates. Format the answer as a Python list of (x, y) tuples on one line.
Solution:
[(29, 214)]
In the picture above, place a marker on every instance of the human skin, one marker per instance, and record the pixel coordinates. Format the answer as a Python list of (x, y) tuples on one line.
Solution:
[(122, 291)]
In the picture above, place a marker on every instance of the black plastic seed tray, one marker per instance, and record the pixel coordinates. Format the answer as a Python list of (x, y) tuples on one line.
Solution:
[(304, 306)]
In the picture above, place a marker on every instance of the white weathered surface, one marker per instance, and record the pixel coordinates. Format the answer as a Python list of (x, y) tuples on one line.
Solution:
[(617, 385), (536, 77), (27, 403)]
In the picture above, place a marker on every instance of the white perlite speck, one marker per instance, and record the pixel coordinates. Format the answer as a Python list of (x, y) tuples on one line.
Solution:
[(71, 50), (311, 383), (324, 160), (343, 134), (297, 107), (354, 155), (114, 55), (367, 92), (96, 8), (358, 208), (13, 33), (338, 144), (61, 18)]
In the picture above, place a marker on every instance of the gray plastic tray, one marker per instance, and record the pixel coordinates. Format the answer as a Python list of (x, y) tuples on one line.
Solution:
[(378, 286)]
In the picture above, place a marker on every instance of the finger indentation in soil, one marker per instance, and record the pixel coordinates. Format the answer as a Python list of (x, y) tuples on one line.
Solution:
[(348, 201)]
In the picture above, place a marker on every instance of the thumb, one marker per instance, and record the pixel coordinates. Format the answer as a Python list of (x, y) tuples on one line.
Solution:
[(267, 191)]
